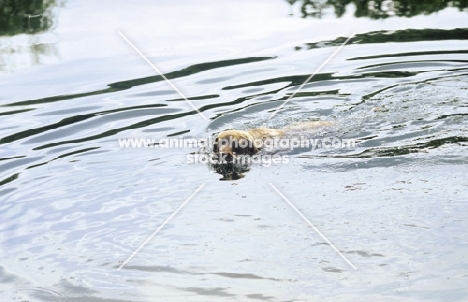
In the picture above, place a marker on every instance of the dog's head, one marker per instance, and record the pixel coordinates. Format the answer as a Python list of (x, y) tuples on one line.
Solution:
[(231, 143)]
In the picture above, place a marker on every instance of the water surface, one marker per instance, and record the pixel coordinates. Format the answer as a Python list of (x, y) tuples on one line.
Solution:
[(74, 205)]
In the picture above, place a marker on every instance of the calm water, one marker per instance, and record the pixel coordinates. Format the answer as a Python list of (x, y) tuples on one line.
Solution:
[(74, 205)]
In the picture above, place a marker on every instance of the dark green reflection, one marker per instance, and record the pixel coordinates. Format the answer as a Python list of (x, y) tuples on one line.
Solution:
[(118, 86), (397, 36), (25, 16), (30, 17), (377, 9)]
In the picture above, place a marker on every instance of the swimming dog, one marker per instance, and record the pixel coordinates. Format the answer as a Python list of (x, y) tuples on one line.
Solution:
[(231, 143)]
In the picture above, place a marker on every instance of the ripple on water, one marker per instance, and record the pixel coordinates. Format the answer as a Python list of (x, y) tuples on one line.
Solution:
[(75, 205)]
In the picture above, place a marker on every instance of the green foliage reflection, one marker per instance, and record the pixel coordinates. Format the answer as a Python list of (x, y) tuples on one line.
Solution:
[(26, 16), (377, 9)]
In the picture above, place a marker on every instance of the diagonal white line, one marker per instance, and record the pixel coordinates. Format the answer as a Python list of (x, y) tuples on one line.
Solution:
[(158, 229), (310, 223), (160, 73), (312, 75)]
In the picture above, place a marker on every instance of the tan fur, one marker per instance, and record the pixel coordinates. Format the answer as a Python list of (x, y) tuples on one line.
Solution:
[(235, 140)]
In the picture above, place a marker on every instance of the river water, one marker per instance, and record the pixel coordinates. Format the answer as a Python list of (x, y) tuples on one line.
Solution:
[(76, 204)]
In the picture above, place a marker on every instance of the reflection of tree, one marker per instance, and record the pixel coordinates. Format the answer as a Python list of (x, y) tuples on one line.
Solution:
[(25, 16), (377, 9), (32, 18)]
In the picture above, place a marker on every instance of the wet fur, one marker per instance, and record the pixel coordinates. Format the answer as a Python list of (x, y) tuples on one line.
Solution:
[(239, 142)]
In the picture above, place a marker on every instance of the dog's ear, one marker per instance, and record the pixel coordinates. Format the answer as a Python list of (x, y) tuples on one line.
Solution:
[(252, 149), (215, 145), (247, 147), (244, 146)]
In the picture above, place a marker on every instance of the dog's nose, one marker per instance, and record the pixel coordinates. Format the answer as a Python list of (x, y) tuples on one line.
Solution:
[(225, 157)]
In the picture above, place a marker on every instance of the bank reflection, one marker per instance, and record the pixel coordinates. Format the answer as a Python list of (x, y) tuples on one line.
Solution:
[(374, 9), (25, 33)]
